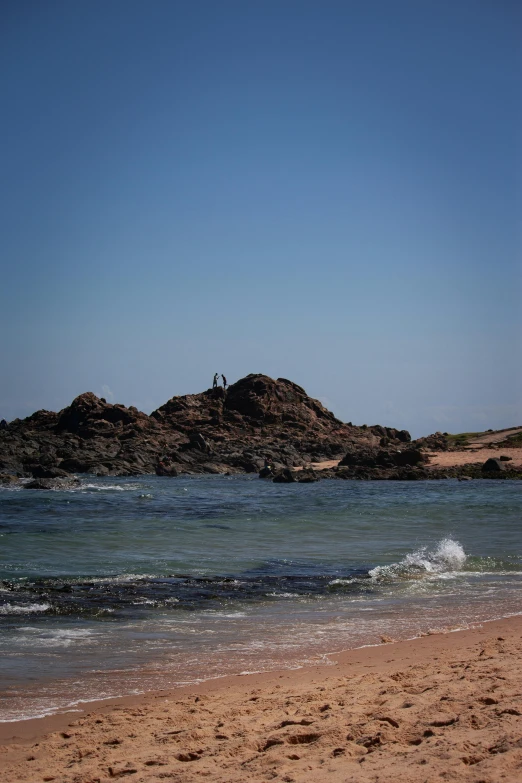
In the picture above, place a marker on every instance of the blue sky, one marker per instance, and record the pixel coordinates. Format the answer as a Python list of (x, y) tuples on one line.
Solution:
[(324, 191)]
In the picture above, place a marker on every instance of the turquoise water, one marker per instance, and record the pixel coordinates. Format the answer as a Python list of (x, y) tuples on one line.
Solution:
[(125, 585)]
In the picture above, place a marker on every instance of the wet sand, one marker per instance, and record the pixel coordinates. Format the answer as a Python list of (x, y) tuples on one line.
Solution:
[(441, 707)]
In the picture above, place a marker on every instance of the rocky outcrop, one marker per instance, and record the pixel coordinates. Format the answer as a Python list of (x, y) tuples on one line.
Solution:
[(257, 417), (389, 435), (382, 458), (286, 476), (257, 420), (436, 442), (211, 432)]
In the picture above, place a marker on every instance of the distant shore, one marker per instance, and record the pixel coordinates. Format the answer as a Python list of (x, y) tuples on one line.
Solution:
[(243, 427), (452, 459), (447, 700)]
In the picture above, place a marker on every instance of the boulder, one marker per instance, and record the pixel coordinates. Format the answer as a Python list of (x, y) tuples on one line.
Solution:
[(436, 442), (359, 456), (286, 476), (373, 458), (307, 477), (252, 467), (408, 457), (39, 471), (165, 469), (493, 466)]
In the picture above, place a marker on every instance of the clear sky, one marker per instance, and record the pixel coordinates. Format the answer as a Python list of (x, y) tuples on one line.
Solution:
[(326, 190)]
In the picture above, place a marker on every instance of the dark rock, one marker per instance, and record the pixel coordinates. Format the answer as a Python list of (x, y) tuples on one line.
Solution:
[(39, 471), (206, 432), (358, 456), (52, 483), (505, 458), (493, 466), (213, 468), (75, 465), (252, 467), (197, 441), (374, 458), (307, 477), (408, 457), (265, 473), (166, 469), (286, 476), (436, 442)]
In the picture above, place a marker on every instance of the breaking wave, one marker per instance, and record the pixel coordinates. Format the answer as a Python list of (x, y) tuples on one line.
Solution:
[(447, 556), (23, 608)]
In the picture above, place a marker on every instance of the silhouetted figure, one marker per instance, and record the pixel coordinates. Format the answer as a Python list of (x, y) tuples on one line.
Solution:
[(215, 381), (3, 424), (224, 382)]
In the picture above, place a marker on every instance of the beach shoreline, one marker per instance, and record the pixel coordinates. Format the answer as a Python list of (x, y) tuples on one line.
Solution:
[(464, 687)]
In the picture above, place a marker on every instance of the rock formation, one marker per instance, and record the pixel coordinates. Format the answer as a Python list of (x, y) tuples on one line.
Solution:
[(210, 432), (220, 432)]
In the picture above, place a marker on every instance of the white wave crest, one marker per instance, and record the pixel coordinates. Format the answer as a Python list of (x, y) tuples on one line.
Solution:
[(446, 557), (104, 487), (23, 609)]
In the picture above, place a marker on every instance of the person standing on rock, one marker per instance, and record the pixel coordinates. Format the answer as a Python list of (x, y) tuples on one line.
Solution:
[(215, 382), (224, 383)]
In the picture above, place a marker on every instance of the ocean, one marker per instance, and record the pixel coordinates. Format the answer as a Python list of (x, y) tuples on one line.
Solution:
[(125, 585)]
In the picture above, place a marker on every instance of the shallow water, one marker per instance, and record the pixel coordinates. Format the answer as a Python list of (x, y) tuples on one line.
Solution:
[(124, 585)]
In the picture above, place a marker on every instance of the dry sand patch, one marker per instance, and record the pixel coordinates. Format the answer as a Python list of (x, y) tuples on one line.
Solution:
[(449, 459)]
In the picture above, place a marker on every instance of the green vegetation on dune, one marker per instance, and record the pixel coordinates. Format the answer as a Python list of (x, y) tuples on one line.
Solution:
[(513, 441), (461, 438)]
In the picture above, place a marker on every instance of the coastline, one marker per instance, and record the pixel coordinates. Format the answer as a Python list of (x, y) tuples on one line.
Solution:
[(350, 719)]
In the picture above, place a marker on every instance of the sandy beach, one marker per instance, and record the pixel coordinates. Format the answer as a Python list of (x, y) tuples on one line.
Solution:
[(443, 706), (451, 459)]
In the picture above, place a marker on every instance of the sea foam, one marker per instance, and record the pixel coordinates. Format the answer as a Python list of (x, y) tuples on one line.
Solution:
[(446, 557), (23, 609)]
